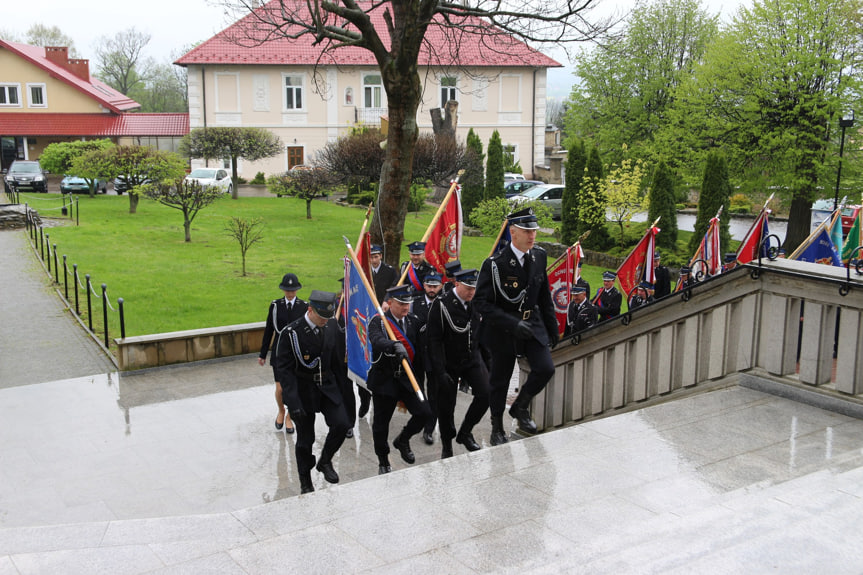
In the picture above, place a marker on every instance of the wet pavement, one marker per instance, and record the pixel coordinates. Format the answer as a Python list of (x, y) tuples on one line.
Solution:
[(180, 470)]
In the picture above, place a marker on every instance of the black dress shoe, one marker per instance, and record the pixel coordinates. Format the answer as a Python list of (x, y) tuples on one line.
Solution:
[(404, 448), (306, 485), (349, 433), (428, 438), (364, 409), (326, 467), (498, 438), (446, 450), (522, 415), (468, 441), (279, 426), (289, 430), (384, 469)]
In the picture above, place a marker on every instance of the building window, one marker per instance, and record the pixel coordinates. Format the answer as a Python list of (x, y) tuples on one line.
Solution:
[(510, 155), (372, 91), (293, 92), (37, 96), (10, 95), (448, 90), (295, 156)]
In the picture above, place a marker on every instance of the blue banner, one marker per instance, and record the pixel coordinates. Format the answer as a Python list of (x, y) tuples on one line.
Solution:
[(359, 312), (820, 250)]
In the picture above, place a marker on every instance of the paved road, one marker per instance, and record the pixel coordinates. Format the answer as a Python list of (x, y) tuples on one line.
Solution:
[(39, 339)]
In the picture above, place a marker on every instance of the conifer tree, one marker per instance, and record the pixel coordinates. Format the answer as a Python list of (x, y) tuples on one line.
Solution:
[(576, 161), (472, 184), (494, 168), (591, 205), (662, 206), (715, 192)]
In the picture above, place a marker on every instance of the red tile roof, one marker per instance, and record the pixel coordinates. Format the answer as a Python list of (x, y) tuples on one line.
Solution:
[(489, 48), (95, 88), (94, 125)]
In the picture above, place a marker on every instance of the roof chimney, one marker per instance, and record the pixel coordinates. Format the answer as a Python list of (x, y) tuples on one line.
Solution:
[(59, 55)]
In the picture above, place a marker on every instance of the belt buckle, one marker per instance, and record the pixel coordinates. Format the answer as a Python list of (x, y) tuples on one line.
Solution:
[(525, 315)]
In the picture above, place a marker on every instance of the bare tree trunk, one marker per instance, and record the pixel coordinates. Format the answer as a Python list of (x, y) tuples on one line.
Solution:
[(133, 202), (308, 209), (798, 223), (187, 226), (234, 178)]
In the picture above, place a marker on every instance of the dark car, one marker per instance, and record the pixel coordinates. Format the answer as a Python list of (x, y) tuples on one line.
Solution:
[(515, 187), (26, 175), (122, 184)]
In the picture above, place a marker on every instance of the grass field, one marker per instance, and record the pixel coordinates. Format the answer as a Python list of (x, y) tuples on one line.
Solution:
[(169, 285)]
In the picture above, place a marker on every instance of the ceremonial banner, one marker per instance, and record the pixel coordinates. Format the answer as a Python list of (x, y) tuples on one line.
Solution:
[(709, 251), (359, 312), (364, 253), (444, 241), (561, 275), (854, 238), (638, 265), (836, 230), (818, 248), (748, 249)]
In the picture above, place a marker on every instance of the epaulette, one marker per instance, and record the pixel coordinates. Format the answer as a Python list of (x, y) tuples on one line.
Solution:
[(539, 248)]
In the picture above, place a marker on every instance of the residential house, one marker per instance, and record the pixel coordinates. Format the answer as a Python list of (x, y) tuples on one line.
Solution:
[(46, 97), (287, 87)]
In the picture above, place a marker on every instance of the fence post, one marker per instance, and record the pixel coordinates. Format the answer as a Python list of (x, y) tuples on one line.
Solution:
[(27, 219), (65, 278), (48, 247), (122, 318), (89, 289), (77, 212), (76, 280), (56, 267), (105, 311), (42, 243)]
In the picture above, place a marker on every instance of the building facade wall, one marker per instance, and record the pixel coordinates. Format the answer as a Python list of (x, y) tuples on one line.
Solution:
[(59, 96)]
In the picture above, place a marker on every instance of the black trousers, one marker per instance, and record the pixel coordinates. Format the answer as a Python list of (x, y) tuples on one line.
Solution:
[(385, 406), (477, 377), (541, 370), (337, 421), (427, 384)]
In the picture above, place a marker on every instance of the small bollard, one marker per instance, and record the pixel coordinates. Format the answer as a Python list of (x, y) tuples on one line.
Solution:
[(122, 318), (56, 267), (105, 311), (89, 288), (47, 243), (65, 278), (76, 280)]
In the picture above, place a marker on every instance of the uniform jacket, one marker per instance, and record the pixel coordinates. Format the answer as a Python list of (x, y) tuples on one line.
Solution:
[(662, 287), (453, 335), (422, 270), (609, 302), (309, 366), (278, 319), (506, 292), (582, 316), (385, 278), (638, 301), (386, 376)]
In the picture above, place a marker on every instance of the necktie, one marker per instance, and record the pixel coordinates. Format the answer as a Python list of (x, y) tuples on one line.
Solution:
[(290, 307), (401, 323)]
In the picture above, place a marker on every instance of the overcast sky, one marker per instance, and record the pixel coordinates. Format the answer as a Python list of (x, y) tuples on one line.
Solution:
[(173, 24)]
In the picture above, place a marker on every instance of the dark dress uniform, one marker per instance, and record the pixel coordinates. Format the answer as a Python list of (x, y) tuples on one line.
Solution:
[(580, 316), (279, 316), (389, 384), (420, 309), (508, 295), (310, 370), (421, 270), (453, 333), (662, 285), (608, 302), (383, 279), (638, 301)]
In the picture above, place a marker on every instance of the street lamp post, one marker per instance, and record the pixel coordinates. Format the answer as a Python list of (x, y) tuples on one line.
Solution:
[(846, 121)]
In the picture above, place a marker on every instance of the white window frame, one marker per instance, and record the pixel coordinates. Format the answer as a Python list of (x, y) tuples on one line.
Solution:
[(374, 88), (43, 88), (300, 89), (451, 91), (4, 87), (514, 152)]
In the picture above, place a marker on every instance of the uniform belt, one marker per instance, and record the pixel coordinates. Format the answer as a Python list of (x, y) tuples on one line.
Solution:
[(315, 377), (524, 315)]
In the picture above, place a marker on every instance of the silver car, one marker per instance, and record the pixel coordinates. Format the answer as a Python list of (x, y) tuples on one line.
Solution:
[(212, 177), (549, 194)]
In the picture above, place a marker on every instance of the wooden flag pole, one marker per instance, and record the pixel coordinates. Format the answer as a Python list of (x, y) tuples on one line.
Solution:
[(386, 324)]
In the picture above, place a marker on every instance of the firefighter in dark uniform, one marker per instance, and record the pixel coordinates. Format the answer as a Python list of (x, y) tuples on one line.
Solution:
[(311, 372), (642, 295), (685, 280), (453, 330), (420, 308), (450, 268), (581, 314), (388, 381), (384, 276), (662, 285), (282, 312), (514, 300), (420, 267), (608, 300)]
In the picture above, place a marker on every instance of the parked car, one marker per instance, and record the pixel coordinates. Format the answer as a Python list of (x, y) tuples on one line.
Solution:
[(122, 184), (516, 187), (849, 214), (508, 176), (76, 185), (26, 175), (549, 194), (212, 178)]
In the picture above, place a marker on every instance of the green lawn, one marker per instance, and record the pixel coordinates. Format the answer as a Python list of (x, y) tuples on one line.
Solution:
[(169, 285)]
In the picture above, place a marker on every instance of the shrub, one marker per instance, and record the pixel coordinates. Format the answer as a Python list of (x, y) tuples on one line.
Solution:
[(259, 178), (740, 204), (419, 193), (490, 214), (241, 180)]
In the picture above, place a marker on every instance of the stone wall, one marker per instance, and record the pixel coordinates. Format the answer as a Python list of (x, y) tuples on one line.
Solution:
[(14, 216)]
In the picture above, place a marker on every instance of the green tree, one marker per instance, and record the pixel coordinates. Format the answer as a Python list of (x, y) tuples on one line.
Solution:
[(769, 93), (627, 85), (662, 205), (591, 205), (397, 35), (715, 192), (494, 168), (188, 196), (247, 233), (306, 185), (162, 91), (490, 214), (41, 35), (473, 180), (623, 194), (60, 158), (121, 63), (576, 160), (222, 143), (139, 165)]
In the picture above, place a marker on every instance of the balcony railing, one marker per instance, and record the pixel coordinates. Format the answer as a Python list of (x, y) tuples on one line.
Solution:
[(369, 116)]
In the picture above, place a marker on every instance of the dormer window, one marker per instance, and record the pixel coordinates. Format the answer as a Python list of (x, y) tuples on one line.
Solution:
[(10, 95)]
